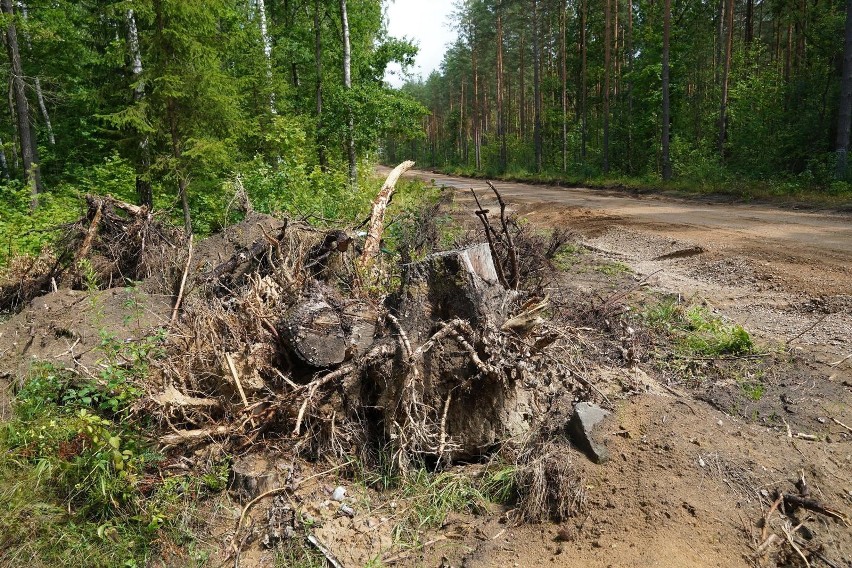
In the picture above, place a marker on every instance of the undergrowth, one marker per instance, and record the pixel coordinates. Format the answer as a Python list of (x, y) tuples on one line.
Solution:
[(79, 481), (696, 331)]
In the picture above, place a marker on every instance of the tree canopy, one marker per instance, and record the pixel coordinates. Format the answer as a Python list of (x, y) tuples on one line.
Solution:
[(752, 85)]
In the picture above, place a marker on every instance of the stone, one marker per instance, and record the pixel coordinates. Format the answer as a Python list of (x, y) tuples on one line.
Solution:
[(339, 493), (581, 430)]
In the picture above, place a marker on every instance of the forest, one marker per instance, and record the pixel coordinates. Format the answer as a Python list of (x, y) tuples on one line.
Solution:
[(176, 104), (710, 93)]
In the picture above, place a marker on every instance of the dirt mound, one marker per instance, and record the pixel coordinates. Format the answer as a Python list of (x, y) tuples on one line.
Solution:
[(66, 328)]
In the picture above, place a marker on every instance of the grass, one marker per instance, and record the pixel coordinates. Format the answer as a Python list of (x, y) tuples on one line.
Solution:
[(568, 256), (79, 483), (697, 332), (427, 497), (787, 191), (613, 268)]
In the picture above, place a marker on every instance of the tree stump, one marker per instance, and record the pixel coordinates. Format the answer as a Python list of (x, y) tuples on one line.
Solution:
[(313, 330)]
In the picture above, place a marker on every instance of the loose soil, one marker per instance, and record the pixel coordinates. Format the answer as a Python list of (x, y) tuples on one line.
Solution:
[(690, 459)]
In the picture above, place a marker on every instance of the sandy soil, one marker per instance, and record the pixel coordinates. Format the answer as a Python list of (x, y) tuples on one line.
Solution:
[(781, 272), (689, 464)]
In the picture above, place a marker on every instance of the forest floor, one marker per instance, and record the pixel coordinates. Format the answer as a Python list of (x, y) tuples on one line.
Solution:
[(691, 459)]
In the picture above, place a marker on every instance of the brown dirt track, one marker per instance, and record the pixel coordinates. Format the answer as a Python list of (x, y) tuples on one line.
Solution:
[(683, 487)]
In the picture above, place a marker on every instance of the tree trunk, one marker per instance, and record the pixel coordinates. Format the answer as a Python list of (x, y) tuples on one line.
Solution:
[(607, 64), (726, 70), (477, 135), (501, 120), (39, 94), (347, 83), (667, 164), (267, 51), (29, 152), (536, 90), (3, 164), (143, 185), (318, 66), (844, 114), (749, 22), (523, 92), (564, 81), (176, 153), (584, 86)]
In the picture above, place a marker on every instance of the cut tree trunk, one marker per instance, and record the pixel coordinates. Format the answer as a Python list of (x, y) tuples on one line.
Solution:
[(313, 331)]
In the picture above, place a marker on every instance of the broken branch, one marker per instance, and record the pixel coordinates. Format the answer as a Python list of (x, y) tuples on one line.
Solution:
[(377, 213)]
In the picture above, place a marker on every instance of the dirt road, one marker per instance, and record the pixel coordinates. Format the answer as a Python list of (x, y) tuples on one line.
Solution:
[(777, 271)]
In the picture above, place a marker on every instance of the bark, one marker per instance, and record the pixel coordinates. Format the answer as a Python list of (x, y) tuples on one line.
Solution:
[(726, 70), (667, 16), (39, 93), (501, 126), (3, 164), (563, 81), (29, 152), (477, 135), (607, 64), (377, 215), (537, 90), (844, 114), (318, 66), (749, 22), (267, 50), (347, 83), (143, 186), (583, 81), (523, 92)]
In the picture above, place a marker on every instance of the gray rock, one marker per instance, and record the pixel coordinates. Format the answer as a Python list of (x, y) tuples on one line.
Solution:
[(581, 430), (339, 493)]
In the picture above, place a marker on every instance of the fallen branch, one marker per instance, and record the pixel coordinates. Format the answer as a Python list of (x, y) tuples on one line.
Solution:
[(188, 436), (483, 216), (90, 233), (377, 213), (182, 284), (236, 542), (239, 384), (510, 244), (325, 551), (839, 423), (813, 505)]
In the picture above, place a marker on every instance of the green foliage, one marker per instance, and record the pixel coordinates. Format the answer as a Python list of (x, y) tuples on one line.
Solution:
[(72, 465), (697, 332), (780, 117)]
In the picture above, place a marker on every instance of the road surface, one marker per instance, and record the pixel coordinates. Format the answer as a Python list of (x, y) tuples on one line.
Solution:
[(777, 270)]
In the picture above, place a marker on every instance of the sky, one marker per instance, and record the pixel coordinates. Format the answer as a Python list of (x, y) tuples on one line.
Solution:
[(426, 22)]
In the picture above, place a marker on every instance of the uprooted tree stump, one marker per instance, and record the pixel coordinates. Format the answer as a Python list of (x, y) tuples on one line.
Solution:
[(452, 392)]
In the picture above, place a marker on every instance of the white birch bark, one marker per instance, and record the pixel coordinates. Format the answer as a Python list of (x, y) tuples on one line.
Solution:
[(347, 83), (267, 49)]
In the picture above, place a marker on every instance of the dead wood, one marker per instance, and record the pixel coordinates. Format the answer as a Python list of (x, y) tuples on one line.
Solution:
[(189, 437), (377, 214), (795, 501), (251, 254), (182, 283), (490, 236), (515, 277)]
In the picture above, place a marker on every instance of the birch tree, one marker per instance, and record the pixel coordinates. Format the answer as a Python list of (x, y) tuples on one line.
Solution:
[(347, 83)]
